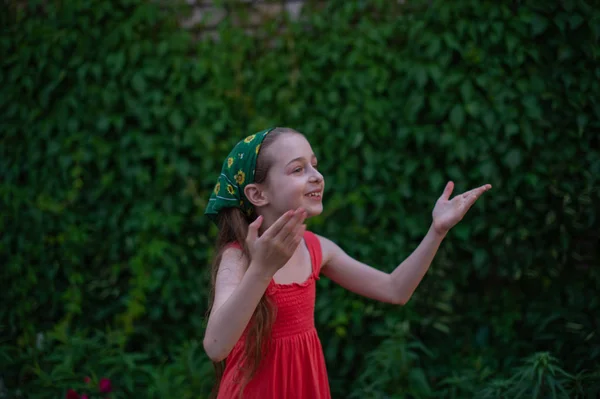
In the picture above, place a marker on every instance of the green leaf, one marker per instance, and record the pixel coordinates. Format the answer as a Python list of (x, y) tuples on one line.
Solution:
[(513, 159), (528, 135), (575, 20), (421, 77), (538, 24), (511, 129), (176, 119), (417, 377), (467, 91), (138, 83), (489, 120), (457, 116), (451, 41)]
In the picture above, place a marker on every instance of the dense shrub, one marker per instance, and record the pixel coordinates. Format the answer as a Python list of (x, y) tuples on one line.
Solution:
[(114, 123)]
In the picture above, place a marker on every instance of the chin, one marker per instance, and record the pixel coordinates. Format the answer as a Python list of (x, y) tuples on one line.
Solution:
[(314, 210)]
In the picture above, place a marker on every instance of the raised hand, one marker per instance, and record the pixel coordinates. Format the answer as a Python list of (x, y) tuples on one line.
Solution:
[(277, 244), (447, 213)]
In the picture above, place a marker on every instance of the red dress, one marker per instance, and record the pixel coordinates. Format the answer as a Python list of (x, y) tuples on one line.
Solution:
[(294, 367)]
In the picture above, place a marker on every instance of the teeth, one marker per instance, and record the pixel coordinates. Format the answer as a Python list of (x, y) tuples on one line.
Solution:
[(314, 195)]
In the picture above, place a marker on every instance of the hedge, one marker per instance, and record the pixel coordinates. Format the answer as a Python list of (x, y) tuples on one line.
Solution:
[(114, 121)]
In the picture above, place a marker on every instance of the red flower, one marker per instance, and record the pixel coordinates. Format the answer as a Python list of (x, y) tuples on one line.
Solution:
[(71, 394), (105, 385), (84, 397), (87, 380)]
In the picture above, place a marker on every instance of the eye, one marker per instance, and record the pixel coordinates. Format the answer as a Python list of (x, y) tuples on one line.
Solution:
[(298, 169)]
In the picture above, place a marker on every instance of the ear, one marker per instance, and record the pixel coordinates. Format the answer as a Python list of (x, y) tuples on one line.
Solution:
[(256, 195)]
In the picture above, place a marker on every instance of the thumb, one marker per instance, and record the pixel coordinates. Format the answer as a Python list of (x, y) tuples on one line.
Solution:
[(448, 191), (253, 230)]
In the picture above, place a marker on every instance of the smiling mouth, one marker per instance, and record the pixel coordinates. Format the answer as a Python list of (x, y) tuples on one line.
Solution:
[(314, 195)]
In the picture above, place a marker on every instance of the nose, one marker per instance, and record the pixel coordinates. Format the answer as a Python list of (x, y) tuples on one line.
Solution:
[(315, 176)]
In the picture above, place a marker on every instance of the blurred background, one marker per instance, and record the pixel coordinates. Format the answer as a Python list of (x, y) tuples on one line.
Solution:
[(115, 117)]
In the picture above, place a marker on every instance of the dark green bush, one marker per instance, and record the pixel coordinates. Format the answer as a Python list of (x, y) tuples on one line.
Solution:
[(114, 123)]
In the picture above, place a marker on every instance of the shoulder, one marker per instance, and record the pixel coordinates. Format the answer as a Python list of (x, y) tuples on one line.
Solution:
[(233, 261), (233, 249), (329, 248), (229, 274)]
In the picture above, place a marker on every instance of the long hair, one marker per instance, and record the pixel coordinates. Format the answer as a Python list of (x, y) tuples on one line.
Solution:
[(233, 228)]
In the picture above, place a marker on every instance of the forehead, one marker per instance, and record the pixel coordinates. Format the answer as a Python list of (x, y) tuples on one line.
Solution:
[(288, 147)]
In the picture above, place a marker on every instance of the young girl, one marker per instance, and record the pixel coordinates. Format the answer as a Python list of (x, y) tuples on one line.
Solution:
[(261, 320)]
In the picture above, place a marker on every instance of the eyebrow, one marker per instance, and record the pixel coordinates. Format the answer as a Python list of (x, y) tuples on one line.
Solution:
[(301, 159)]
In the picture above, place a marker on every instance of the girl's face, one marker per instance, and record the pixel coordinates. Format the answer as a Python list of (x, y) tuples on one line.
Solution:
[(293, 180)]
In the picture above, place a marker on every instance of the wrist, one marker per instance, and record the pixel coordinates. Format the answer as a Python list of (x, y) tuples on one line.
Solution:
[(259, 273), (437, 231)]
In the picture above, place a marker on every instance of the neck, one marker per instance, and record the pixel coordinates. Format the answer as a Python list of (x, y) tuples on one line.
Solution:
[(268, 221)]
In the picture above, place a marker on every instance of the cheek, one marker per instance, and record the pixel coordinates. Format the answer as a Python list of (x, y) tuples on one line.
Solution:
[(286, 190), (294, 193), (292, 190)]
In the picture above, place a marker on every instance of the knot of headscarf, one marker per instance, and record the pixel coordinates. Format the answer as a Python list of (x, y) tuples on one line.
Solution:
[(236, 173)]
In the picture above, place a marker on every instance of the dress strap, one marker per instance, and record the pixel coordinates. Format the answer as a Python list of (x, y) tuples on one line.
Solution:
[(233, 244), (316, 255), (314, 249)]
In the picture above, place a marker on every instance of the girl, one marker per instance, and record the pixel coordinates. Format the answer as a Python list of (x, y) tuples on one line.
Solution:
[(261, 320)]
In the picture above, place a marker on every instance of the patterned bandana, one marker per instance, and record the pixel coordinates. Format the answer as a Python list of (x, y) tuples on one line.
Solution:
[(237, 172)]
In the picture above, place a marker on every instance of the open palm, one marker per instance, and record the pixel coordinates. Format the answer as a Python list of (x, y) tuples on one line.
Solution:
[(448, 212)]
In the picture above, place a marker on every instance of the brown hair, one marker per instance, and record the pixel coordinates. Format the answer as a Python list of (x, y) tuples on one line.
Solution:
[(233, 228)]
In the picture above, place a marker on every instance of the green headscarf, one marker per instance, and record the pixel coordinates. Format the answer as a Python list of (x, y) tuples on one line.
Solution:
[(237, 172)]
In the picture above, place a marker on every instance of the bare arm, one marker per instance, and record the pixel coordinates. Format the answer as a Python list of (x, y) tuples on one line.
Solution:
[(238, 291), (367, 281), (399, 286), (236, 296), (407, 276)]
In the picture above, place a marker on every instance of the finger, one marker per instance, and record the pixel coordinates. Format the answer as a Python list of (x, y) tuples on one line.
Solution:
[(253, 230), (290, 229), (482, 189), (300, 235), (478, 192), (475, 194), (283, 226), (300, 227), (276, 227), (470, 193), (471, 200), (448, 191), (293, 240)]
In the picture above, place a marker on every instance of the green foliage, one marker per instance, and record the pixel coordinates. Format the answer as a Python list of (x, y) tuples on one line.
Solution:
[(395, 362), (114, 123), (61, 360)]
